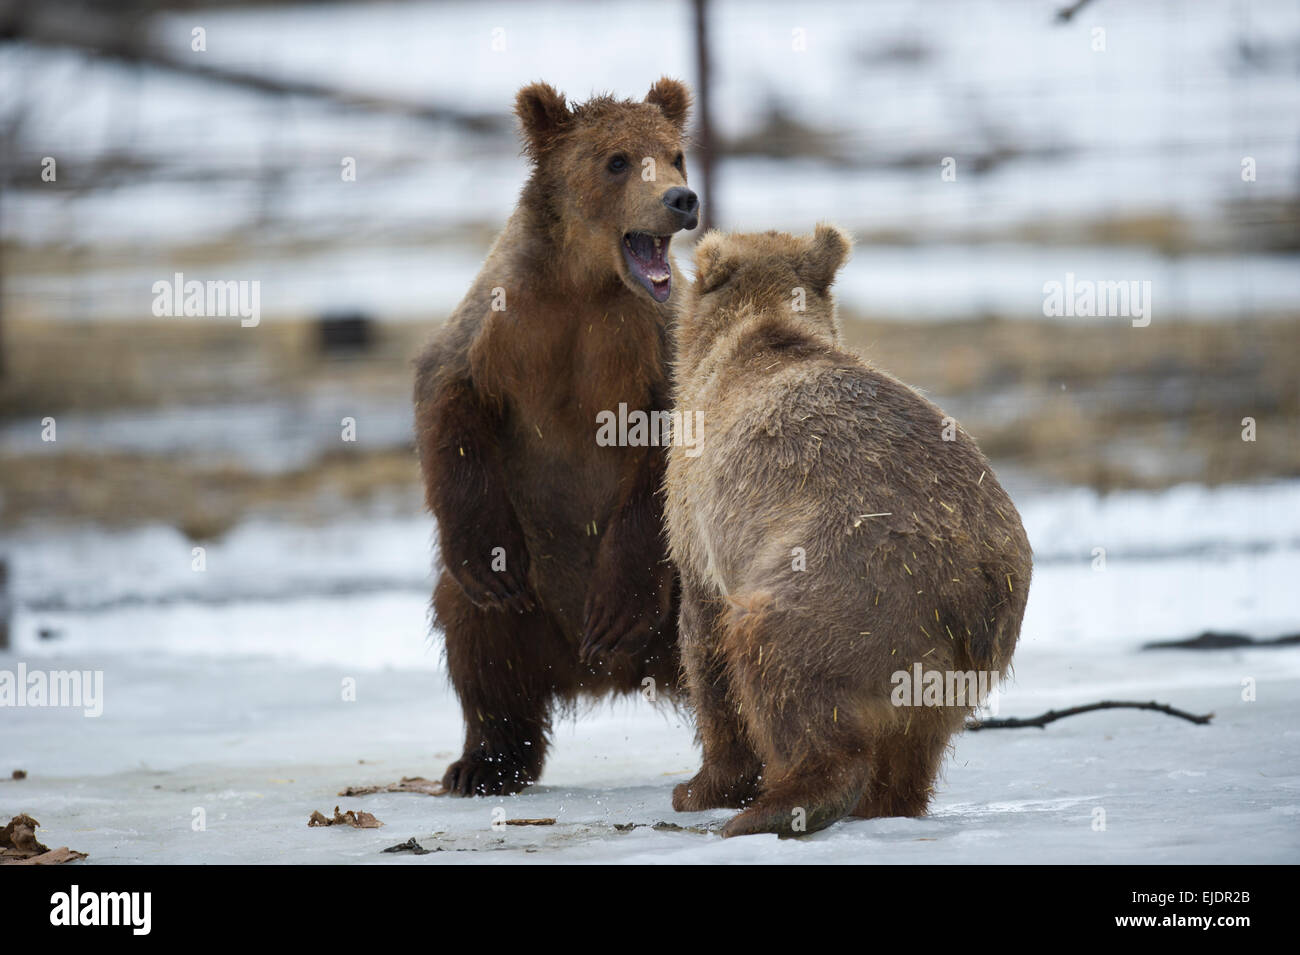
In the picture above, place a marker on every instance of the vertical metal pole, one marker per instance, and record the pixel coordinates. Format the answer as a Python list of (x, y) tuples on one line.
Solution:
[(704, 138)]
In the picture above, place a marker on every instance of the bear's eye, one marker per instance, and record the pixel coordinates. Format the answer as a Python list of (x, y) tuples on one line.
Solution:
[(680, 163), (618, 163)]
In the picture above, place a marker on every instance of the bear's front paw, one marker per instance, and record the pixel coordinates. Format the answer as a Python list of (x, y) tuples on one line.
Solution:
[(611, 633), (493, 577), (621, 616), (478, 774)]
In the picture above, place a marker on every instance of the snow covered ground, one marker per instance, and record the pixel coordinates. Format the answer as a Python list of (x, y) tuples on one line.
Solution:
[(224, 692)]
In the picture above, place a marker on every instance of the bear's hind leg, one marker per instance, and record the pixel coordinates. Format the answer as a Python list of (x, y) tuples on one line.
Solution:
[(728, 777), (904, 766), (805, 722), (815, 792), (507, 669)]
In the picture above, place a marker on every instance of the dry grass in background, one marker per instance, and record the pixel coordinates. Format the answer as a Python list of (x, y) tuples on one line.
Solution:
[(1104, 405)]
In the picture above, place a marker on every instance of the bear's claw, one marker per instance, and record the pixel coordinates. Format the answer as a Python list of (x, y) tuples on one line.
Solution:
[(708, 791), (475, 774)]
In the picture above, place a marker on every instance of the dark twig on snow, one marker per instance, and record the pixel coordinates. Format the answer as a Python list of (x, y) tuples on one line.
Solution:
[(1066, 14), (1213, 640), (1051, 716)]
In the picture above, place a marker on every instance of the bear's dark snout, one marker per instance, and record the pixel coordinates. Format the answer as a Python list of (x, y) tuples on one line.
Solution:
[(686, 204)]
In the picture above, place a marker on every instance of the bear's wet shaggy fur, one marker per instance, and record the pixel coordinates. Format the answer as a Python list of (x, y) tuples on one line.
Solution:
[(554, 581), (835, 529)]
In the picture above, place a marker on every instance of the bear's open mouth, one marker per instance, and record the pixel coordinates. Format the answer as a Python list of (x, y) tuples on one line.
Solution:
[(647, 259)]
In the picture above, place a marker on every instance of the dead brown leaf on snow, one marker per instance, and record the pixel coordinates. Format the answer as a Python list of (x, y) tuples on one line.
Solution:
[(54, 857), (19, 845), (357, 820), (408, 784)]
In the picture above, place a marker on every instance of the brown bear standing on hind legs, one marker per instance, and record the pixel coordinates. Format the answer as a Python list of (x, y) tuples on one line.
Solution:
[(833, 531), (555, 583)]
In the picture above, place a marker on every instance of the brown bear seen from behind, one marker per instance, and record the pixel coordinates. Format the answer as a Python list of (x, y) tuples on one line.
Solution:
[(554, 580), (827, 537)]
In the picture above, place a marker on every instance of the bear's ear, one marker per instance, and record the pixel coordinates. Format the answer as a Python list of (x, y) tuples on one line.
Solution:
[(710, 269), (826, 252), (543, 114), (673, 98)]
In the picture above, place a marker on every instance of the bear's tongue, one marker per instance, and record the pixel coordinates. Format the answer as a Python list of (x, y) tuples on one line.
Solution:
[(647, 259)]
